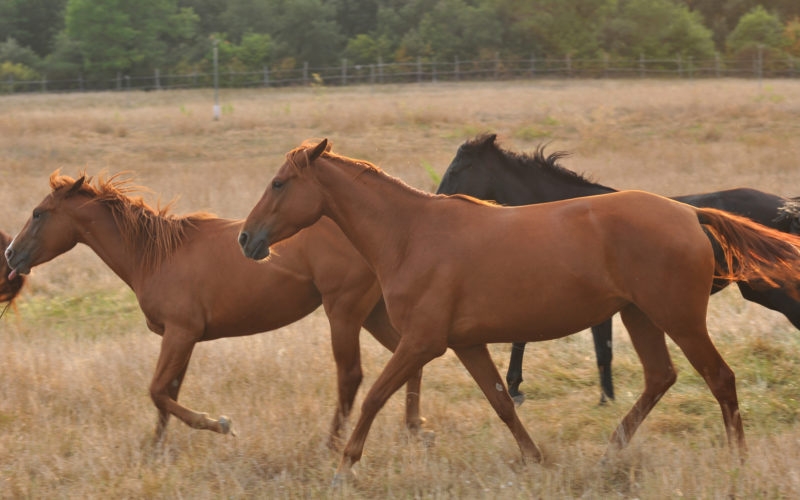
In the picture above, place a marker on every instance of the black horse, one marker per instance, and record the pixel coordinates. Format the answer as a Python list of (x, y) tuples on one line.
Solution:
[(484, 170)]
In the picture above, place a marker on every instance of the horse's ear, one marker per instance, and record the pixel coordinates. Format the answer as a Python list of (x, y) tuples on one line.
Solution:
[(317, 151), (490, 138), (77, 186)]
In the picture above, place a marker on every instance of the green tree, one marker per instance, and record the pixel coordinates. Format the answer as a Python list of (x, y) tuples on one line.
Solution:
[(11, 51), (756, 28), (456, 28), (33, 23), (117, 35), (657, 29), (791, 37)]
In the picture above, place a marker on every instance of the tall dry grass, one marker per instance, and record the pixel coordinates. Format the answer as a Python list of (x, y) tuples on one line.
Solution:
[(75, 362)]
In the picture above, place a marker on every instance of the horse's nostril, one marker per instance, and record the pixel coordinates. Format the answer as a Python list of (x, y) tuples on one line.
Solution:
[(9, 253), (243, 237)]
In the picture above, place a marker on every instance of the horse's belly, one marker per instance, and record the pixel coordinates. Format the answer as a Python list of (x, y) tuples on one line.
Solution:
[(533, 318)]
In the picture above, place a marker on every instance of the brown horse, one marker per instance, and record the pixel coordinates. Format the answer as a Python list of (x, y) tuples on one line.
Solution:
[(9, 288), (458, 272), (193, 284)]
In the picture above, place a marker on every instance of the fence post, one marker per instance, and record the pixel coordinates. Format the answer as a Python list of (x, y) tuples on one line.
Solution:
[(533, 66), (496, 64), (119, 81), (80, 81), (760, 65), (641, 65), (305, 72), (716, 64), (433, 71), (44, 81), (791, 64), (691, 68), (372, 74), (128, 82), (216, 80), (456, 70), (679, 62), (194, 78), (569, 65), (605, 65), (158, 80), (266, 76), (344, 71), (419, 69)]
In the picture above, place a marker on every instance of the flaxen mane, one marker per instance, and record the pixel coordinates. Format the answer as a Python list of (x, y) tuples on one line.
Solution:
[(154, 232)]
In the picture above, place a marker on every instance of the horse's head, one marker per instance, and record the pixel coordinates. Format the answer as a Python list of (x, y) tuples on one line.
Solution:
[(49, 231), (9, 288), (470, 172), (291, 202)]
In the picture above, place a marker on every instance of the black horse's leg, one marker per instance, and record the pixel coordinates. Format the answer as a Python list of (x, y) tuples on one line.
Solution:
[(602, 349), (776, 299), (514, 375)]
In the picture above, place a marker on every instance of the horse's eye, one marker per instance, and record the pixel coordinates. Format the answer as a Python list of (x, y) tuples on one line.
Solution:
[(36, 214), (276, 184)]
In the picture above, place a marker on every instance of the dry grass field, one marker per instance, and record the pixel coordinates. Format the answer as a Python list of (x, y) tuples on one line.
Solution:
[(76, 358)]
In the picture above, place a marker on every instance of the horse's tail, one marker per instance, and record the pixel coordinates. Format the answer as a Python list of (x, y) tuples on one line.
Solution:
[(752, 252)]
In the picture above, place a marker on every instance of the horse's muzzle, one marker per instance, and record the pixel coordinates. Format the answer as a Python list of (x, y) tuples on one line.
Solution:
[(254, 247)]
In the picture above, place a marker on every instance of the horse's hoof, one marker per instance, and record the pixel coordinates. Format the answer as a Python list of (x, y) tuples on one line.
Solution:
[(342, 478), (518, 399), (226, 425)]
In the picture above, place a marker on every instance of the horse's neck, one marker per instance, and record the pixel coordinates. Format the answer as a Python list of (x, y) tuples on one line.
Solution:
[(373, 211), (98, 230), (543, 186)]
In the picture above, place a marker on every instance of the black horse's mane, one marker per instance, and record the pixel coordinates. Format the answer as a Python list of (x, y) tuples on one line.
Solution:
[(536, 160)]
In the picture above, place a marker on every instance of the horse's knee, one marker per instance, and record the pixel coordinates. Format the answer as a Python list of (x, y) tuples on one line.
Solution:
[(723, 385), (350, 379)]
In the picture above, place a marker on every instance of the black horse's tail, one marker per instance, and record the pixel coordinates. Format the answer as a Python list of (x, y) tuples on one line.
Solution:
[(752, 252)]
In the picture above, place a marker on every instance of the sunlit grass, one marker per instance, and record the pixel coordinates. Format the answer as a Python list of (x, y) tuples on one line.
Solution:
[(76, 359)]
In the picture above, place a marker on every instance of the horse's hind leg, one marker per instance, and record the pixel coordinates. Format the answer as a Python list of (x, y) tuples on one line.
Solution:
[(698, 348), (176, 349), (601, 334), (477, 361), (659, 374), (514, 373)]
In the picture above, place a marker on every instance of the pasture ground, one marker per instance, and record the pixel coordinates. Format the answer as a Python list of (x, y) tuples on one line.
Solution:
[(76, 419)]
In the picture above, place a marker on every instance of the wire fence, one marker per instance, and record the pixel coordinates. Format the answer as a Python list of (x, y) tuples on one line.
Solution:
[(420, 71)]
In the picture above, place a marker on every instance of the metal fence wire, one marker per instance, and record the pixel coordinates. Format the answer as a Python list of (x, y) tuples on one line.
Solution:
[(420, 71)]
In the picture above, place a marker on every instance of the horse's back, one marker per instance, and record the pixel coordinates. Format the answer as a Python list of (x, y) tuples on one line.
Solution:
[(563, 266)]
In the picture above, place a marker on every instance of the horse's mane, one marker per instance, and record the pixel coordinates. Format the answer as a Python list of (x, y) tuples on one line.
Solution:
[(370, 168), (536, 160), (154, 232), (789, 210)]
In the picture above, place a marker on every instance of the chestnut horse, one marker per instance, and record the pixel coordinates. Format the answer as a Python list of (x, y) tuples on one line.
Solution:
[(459, 272), (9, 288), (193, 284)]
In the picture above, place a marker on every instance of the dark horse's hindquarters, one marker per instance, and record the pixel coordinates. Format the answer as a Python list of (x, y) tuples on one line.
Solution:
[(483, 170)]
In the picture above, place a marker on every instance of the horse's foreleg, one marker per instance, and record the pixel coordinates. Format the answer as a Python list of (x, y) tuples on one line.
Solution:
[(176, 349), (346, 354), (659, 374), (479, 364), (163, 416), (408, 359), (379, 325), (514, 373), (601, 334)]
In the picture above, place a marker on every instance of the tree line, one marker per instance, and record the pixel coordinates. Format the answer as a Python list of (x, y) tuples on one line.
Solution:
[(62, 38)]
